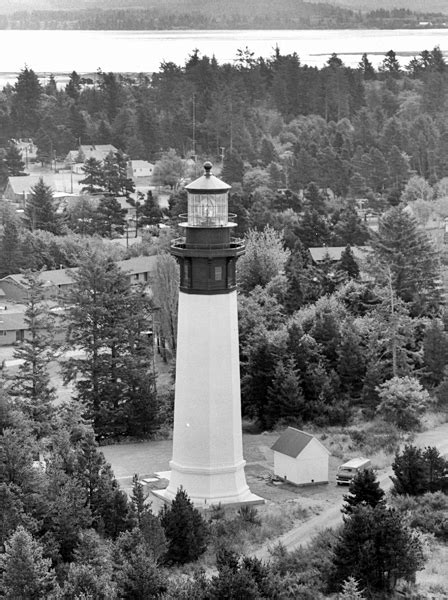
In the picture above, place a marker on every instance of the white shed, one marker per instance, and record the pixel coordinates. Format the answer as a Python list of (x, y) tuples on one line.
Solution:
[(300, 458)]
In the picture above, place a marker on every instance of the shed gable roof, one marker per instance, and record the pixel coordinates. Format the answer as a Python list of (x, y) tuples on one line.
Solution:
[(293, 441)]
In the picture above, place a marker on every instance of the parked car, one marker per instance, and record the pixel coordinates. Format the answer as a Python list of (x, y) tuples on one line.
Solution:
[(348, 470)]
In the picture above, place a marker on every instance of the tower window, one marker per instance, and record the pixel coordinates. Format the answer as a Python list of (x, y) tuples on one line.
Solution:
[(218, 273)]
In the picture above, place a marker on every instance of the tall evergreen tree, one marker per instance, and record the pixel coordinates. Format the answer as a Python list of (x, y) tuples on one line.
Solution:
[(14, 162), (348, 264), (11, 256), (285, 398), (233, 167), (25, 103), (108, 319), (40, 212), (406, 259), (115, 174), (435, 352), (110, 217), (93, 181), (32, 384)]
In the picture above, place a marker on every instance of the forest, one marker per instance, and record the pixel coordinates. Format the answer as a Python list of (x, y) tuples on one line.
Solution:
[(358, 344), (255, 14)]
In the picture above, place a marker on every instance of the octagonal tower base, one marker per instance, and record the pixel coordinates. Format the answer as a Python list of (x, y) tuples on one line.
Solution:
[(207, 439)]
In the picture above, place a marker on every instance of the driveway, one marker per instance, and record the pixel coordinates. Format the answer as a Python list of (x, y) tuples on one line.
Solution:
[(332, 517)]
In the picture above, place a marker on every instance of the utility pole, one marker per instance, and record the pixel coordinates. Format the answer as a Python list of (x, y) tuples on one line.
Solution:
[(194, 128)]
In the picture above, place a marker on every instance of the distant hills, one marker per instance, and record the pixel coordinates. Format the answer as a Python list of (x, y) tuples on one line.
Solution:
[(216, 14), (423, 6)]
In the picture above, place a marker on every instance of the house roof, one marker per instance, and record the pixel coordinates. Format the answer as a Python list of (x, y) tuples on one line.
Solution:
[(12, 321), (292, 441), (138, 264), (335, 252), (140, 164), (59, 182)]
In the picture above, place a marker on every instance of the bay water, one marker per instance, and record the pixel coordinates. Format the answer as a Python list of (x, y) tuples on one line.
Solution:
[(62, 51)]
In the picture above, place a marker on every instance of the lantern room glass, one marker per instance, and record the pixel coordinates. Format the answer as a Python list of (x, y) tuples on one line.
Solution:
[(208, 210)]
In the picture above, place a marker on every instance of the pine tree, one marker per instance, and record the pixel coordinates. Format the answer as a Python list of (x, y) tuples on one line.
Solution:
[(366, 68), (115, 174), (363, 489), (110, 217), (25, 573), (40, 212), (349, 229), (233, 167), (410, 472), (435, 352), (405, 257), (141, 577), (138, 499), (350, 590), (73, 86), (351, 362), (149, 213), (314, 230), (419, 471), (11, 255), (32, 382), (258, 375), (14, 162), (348, 264), (377, 548), (107, 318), (93, 181), (284, 397), (185, 530), (26, 100)]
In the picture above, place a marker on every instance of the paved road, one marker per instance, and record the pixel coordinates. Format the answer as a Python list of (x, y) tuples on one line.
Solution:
[(332, 517)]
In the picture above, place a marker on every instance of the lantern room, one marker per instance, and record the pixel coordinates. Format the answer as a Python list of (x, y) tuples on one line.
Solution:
[(208, 201)]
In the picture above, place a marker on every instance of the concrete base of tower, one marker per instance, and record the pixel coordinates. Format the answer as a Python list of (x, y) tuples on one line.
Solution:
[(204, 503)]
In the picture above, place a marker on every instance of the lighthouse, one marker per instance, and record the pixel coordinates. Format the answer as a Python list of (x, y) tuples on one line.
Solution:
[(207, 458)]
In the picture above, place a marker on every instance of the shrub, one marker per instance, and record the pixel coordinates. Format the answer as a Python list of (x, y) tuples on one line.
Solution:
[(427, 512), (402, 401), (185, 529)]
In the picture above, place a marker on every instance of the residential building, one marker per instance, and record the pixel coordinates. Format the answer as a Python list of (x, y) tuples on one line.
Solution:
[(18, 189), (57, 281), (140, 168), (86, 151)]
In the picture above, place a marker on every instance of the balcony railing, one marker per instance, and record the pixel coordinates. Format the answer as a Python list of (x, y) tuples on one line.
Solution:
[(235, 244), (197, 220)]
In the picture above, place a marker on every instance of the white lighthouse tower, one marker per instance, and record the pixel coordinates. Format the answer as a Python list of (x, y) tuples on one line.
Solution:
[(207, 441)]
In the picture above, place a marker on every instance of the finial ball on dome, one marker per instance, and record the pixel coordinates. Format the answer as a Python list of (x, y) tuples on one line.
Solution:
[(207, 167)]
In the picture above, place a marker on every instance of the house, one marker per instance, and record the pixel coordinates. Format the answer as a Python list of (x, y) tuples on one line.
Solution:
[(140, 168), (334, 253), (59, 281), (86, 151), (12, 327), (300, 458), (18, 189)]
